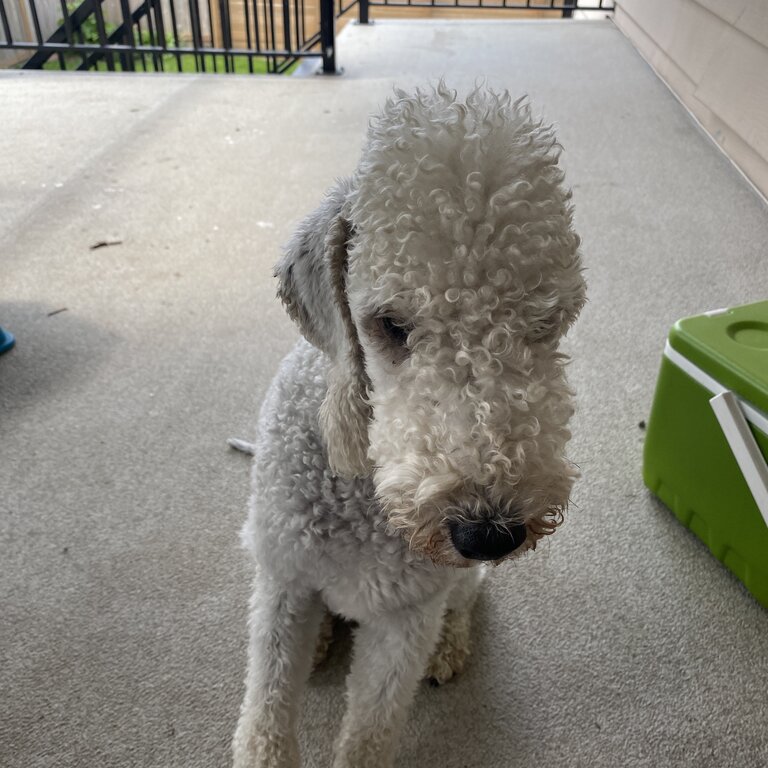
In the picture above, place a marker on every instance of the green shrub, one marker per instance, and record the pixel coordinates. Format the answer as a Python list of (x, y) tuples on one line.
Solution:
[(88, 28)]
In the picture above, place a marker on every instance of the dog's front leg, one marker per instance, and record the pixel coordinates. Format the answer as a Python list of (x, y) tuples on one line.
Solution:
[(390, 655), (283, 630)]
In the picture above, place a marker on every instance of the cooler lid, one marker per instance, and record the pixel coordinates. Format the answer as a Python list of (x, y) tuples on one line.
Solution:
[(731, 345)]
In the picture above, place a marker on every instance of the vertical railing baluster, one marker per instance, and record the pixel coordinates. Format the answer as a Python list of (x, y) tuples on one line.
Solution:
[(226, 34), (141, 44), (247, 10), (80, 39), (102, 33), (152, 36), (67, 30), (161, 34), (256, 30), (175, 28), (272, 39), (127, 60), (6, 25), (327, 36), (299, 19), (286, 25), (197, 35), (35, 21), (212, 40)]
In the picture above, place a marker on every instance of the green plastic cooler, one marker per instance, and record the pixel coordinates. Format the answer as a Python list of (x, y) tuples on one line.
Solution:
[(706, 450)]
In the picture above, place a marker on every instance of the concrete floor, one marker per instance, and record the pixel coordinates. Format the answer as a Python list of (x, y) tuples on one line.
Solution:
[(123, 589)]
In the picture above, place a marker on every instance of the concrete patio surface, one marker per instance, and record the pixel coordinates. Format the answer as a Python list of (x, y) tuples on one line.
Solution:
[(123, 592)]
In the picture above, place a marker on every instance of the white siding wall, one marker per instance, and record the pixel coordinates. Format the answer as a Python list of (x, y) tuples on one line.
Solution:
[(714, 55)]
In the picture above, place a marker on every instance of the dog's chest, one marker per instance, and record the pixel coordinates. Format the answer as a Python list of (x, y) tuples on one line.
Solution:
[(337, 543), (326, 533)]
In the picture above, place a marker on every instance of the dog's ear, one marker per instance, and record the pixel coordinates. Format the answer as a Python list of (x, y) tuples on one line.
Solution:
[(312, 279), (304, 275)]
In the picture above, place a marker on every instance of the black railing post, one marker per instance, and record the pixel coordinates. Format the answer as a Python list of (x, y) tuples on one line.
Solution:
[(363, 11), (328, 36), (570, 5), (126, 59), (6, 25)]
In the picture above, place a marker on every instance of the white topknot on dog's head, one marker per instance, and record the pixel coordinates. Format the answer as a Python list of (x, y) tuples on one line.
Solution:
[(455, 272)]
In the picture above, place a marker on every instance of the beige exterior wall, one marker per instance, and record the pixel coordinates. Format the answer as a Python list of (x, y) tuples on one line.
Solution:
[(714, 55)]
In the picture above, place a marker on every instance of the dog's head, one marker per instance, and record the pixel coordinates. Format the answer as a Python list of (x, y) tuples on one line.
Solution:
[(440, 280)]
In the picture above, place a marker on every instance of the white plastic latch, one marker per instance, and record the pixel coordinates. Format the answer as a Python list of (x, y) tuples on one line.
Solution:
[(744, 447)]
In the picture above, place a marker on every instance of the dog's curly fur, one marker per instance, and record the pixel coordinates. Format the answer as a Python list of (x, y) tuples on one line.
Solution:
[(429, 395)]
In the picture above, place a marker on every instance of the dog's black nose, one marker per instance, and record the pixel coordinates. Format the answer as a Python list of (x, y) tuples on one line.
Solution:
[(486, 541)]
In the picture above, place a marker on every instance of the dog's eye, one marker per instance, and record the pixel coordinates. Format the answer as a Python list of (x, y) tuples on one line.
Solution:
[(394, 331), (391, 335)]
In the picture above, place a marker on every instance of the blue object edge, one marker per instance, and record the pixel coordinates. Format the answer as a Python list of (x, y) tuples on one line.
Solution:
[(6, 341)]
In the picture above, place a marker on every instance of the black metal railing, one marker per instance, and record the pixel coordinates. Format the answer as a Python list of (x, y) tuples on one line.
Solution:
[(170, 35), (204, 35)]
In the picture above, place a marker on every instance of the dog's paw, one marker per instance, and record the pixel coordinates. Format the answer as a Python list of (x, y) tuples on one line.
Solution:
[(445, 664), (452, 650), (324, 640), (255, 747)]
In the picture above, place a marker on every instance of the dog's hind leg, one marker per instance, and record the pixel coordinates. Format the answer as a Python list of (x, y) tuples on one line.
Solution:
[(454, 645), (283, 630), (390, 654)]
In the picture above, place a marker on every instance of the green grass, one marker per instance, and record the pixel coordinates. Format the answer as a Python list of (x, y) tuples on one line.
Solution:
[(170, 63)]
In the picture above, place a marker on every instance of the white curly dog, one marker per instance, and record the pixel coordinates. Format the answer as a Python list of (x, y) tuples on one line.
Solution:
[(418, 430)]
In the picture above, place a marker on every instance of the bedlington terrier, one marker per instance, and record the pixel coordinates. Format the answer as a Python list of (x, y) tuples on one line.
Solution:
[(418, 430)]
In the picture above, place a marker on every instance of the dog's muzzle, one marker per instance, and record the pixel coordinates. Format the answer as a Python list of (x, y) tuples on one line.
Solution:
[(486, 541)]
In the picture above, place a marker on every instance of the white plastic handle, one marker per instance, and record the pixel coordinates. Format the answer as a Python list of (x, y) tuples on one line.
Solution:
[(744, 447)]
